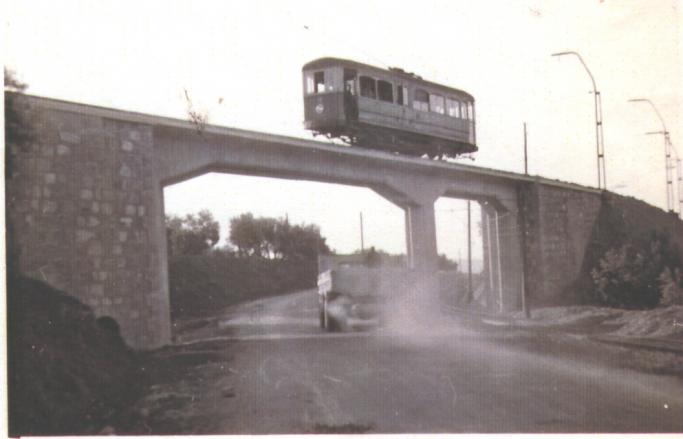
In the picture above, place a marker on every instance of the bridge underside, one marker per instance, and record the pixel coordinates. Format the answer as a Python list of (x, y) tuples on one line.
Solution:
[(85, 204)]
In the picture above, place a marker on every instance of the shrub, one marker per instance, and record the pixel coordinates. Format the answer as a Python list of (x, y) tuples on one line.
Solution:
[(630, 276), (671, 282)]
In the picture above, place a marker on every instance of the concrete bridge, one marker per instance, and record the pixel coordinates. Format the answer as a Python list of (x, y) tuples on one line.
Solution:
[(87, 210)]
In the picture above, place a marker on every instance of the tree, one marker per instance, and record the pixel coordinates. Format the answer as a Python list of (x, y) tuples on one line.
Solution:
[(192, 234), (18, 131), (275, 238), (18, 136)]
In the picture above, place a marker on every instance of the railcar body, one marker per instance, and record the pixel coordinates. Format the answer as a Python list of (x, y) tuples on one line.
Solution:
[(387, 109)]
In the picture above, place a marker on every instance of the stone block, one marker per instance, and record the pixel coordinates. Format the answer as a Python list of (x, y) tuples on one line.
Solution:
[(86, 194), (127, 145), (63, 150), (130, 210), (42, 165), (47, 150), (95, 248), (50, 178), (96, 290), (93, 222), (127, 221), (49, 206), (125, 171), (68, 137), (123, 236), (95, 207), (83, 235)]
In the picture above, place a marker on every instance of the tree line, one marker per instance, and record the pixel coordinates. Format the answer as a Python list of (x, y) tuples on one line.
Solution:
[(250, 236)]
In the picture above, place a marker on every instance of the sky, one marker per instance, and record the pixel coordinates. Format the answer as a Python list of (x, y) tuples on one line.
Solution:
[(241, 63)]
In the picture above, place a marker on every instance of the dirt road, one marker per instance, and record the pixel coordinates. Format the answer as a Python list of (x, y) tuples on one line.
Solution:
[(281, 375)]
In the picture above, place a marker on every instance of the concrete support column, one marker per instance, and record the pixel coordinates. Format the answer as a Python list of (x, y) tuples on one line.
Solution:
[(422, 257), (421, 237), (417, 201)]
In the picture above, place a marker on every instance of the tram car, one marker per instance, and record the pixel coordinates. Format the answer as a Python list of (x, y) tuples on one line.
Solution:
[(390, 109)]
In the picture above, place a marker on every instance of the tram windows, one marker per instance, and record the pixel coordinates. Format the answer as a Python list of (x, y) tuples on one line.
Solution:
[(350, 81), (310, 87), (463, 110), (385, 91), (421, 100), (319, 80), (470, 111), (368, 87), (452, 107), (401, 95), (436, 104)]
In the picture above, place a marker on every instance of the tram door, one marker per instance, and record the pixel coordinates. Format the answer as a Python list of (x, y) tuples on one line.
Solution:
[(350, 95)]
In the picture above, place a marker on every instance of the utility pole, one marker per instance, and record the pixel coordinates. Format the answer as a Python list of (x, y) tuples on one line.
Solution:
[(679, 176), (599, 139), (669, 166), (469, 252), (668, 170), (526, 160), (362, 241)]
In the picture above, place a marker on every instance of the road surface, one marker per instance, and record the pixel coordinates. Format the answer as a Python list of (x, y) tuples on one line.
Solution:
[(281, 375)]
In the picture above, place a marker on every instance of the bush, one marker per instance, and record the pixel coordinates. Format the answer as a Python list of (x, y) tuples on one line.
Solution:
[(631, 277), (671, 282)]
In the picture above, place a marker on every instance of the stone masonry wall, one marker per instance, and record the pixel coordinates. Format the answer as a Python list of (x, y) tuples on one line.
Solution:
[(81, 201), (568, 231), (565, 219)]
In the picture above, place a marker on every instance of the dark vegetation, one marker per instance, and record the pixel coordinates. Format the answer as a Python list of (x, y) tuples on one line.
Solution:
[(206, 283), (265, 256), (639, 275), (68, 372)]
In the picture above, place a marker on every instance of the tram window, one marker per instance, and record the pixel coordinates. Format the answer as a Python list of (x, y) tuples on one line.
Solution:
[(452, 107), (436, 104), (385, 91), (470, 111), (310, 88), (367, 87), (319, 79), (421, 101), (350, 81), (463, 110), (402, 95)]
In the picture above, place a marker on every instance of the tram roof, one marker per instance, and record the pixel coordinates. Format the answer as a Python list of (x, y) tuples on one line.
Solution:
[(334, 62)]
